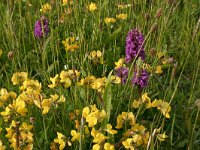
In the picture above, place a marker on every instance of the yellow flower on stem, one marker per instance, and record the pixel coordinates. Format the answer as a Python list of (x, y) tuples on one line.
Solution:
[(159, 69), (70, 44), (61, 140), (164, 107), (128, 143), (120, 63), (162, 137), (55, 81), (92, 7), (75, 136), (109, 129)]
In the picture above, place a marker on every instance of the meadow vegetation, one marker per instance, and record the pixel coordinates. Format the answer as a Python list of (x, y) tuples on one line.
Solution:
[(100, 75)]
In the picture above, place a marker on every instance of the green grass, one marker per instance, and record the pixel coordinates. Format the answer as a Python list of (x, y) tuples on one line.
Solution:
[(175, 33)]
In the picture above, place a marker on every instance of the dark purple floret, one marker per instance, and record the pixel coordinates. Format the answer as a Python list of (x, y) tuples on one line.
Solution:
[(41, 28), (134, 46), (122, 72), (140, 78)]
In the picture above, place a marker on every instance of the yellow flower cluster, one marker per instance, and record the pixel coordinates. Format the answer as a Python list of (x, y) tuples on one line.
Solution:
[(161, 105), (6, 96), (135, 137), (96, 57), (93, 115), (125, 117), (20, 136), (98, 84), (65, 78), (70, 44), (45, 8)]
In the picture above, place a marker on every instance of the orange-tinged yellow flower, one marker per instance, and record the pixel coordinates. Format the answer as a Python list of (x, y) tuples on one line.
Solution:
[(109, 20), (19, 77), (92, 6), (108, 146), (159, 69), (75, 136), (122, 16), (61, 140)]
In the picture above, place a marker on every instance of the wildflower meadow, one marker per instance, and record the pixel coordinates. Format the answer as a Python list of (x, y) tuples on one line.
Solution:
[(99, 74)]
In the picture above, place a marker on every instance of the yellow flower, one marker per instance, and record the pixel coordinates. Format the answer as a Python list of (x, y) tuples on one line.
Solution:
[(115, 79), (164, 107), (96, 147), (162, 137), (64, 78), (31, 85), (46, 7), (92, 7), (99, 84), (108, 146), (144, 100), (122, 16), (119, 63), (2, 147), (19, 77), (20, 107), (61, 140), (55, 81), (86, 112), (92, 120), (88, 81), (125, 116), (128, 143), (66, 2), (159, 70), (70, 44), (109, 20), (124, 6), (75, 136), (109, 129)]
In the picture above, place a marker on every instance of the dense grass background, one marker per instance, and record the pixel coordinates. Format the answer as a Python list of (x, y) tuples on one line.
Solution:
[(175, 33)]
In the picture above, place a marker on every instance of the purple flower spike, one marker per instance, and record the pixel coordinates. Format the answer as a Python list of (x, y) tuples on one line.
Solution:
[(140, 78), (41, 28), (122, 72), (134, 45)]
